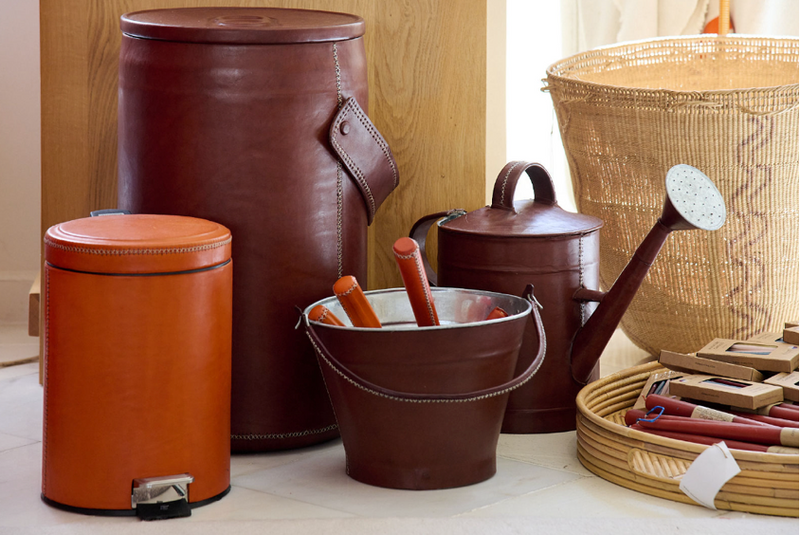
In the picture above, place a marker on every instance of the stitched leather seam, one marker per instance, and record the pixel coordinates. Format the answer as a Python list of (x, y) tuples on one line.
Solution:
[(274, 436), (378, 139), (428, 400), (124, 252), (505, 180), (339, 178), (348, 292), (421, 275), (45, 382), (339, 220), (359, 175)]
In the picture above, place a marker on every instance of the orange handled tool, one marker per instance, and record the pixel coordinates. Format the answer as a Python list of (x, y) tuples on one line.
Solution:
[(322, 314), (355, 303), (406, 252), (497, 313)]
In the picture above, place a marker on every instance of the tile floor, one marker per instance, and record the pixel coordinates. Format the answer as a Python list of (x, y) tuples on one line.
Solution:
[(540, 486)]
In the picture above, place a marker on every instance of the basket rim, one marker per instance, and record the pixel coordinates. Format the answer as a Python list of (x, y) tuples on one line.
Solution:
[(555, 70), (657, 440)]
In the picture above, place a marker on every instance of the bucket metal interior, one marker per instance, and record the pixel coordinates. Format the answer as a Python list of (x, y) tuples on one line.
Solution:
[(456, 308)]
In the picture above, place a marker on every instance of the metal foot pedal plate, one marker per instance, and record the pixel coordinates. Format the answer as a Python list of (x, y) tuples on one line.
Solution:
[(159, 498)]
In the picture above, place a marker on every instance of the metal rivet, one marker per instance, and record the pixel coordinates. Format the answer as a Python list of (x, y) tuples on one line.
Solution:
[(344, 128)]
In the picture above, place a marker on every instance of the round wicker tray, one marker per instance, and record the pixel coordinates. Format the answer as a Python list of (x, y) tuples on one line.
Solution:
[(767, 484)]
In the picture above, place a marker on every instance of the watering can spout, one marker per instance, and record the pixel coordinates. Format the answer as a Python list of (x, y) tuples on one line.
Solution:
[(692, 202)]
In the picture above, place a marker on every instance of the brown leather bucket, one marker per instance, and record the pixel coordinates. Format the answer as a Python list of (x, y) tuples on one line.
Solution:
[(254, 117), (421, 408)]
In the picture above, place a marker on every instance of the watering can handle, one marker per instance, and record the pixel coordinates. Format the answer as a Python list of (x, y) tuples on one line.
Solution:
[(506, 184), (380, 391), (419, 233)]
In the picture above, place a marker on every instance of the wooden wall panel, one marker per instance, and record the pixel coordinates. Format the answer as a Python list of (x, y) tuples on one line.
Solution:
[(428, 97)]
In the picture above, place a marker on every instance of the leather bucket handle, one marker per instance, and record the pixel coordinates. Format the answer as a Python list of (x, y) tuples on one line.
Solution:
[(506, 183), (380, 391), (419, 233)]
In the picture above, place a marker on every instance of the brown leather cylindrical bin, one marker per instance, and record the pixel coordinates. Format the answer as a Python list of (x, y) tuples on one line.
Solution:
[(254, 117), (137, 352)]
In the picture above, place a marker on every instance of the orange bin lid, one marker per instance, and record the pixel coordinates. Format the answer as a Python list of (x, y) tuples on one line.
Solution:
[(137, 244)]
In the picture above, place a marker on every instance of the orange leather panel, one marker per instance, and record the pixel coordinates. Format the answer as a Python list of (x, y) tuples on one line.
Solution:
[(139, 243), (137, 383)]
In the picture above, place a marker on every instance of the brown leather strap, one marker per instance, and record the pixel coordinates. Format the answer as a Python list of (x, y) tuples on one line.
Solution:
[(506, 184), (365, 154), (419, 233), (374, 389)]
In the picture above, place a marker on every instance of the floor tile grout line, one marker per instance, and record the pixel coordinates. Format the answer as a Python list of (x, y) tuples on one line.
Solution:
[(549, 487)]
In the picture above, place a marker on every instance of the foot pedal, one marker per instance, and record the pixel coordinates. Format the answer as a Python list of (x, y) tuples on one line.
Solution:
[(159, 498)]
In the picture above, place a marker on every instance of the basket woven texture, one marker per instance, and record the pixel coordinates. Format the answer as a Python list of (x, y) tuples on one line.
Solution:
[(728, 106), (767, 484)]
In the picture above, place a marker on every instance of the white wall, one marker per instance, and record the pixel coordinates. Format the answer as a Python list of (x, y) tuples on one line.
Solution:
[(20, 156)]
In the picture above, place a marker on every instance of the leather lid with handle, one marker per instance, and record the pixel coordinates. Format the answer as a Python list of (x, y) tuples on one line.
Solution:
[(532, 218), (242, 25), (365, 154)]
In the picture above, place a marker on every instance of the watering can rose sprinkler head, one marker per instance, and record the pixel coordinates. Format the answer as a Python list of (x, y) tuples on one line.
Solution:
[(692, 202)]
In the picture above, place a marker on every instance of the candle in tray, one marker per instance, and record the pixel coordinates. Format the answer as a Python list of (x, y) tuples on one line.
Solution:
[(766, 434)]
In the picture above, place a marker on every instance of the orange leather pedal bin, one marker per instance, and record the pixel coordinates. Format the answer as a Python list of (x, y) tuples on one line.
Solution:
[(137, 349)]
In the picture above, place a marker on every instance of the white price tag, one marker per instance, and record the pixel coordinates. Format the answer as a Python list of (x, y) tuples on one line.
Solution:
[(708, 473)]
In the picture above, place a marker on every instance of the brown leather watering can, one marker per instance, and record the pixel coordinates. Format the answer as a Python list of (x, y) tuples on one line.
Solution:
[(508, 245)]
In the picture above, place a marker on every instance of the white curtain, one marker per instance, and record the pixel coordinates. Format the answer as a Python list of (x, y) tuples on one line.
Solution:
[(588, 24)]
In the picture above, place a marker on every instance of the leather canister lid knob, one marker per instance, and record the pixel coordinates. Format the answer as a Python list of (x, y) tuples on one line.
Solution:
[(242, 25), (135, 244)]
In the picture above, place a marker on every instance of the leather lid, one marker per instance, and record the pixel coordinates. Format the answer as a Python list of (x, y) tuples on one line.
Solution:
[(242, 25), (529, 219), (140, 243)]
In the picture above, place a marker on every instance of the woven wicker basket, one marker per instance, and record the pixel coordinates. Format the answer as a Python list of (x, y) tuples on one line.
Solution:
[(728, 106), (767, 484)]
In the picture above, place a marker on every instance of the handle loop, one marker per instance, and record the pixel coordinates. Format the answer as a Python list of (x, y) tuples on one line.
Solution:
[(506, 184), (419, 233), (359, 382)]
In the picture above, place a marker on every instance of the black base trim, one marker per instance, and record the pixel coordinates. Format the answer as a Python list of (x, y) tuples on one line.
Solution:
[(123, 512)]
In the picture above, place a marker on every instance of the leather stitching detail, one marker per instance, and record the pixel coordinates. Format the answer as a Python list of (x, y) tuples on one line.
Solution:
[(359, 175), (378, 139), (278, 436), (505, 180), (125, 252)]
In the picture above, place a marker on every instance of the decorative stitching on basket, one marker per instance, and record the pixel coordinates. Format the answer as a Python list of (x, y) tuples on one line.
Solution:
[(428, 400), (505, 180), (124, 252), (279, 436), (742, 248)]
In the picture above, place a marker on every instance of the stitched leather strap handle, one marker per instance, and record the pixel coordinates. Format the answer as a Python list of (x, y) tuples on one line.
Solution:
[(365, 154), (380, 391), (419, 232), (506, 184)]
